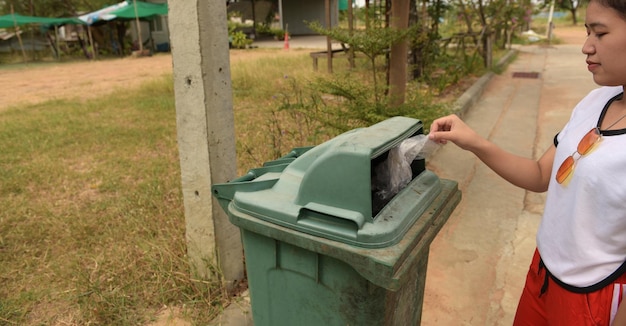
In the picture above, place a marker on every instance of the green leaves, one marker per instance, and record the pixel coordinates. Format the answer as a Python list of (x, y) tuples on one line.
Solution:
[(372, 41)]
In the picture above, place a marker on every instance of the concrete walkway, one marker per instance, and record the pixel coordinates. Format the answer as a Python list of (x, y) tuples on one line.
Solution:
[(298, 42), (479, 260), (478, 263)]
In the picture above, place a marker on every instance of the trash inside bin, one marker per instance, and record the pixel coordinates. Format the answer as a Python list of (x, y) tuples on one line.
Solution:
[(321, 248)]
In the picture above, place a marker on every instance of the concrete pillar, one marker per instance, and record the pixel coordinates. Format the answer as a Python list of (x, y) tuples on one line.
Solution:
[(206, 138)]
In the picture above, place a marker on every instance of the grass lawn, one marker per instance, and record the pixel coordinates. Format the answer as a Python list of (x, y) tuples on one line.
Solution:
[(92, 225)]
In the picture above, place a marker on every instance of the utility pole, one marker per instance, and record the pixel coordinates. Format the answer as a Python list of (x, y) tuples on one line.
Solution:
[(206, 137), (550, 24)]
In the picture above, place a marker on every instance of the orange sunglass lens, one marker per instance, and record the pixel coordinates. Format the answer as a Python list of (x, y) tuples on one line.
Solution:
[(588, 141), (565, 169)]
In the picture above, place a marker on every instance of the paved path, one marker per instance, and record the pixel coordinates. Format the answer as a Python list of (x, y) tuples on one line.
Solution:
[(479, 260)]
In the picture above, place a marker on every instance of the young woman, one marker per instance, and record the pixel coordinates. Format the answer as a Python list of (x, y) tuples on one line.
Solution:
[(578, 273)]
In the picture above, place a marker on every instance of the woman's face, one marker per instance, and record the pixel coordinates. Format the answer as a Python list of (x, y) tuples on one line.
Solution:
[(605, 46)]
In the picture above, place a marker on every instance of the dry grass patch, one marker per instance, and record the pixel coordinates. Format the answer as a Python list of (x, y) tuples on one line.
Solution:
[(92, 226)]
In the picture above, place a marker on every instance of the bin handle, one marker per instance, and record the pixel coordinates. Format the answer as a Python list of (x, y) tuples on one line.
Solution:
[(331, 220)]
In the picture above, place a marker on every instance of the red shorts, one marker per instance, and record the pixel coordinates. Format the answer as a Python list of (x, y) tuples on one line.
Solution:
[(558, 306)]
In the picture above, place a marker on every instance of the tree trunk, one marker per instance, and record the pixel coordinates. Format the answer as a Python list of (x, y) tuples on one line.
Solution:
[(574, 18), (415, 58), (398, 54)]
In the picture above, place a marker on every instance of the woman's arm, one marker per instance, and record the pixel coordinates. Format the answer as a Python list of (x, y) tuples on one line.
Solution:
[(522, 172)]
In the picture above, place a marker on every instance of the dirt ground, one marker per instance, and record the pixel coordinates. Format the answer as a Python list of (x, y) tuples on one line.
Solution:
[(571, 34), (38, 82), (35, 83)]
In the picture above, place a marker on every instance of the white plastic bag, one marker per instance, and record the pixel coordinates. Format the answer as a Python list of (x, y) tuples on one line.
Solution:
[(394, 174)]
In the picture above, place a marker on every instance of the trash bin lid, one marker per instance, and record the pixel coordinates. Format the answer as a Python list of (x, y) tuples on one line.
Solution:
[(326, 191)]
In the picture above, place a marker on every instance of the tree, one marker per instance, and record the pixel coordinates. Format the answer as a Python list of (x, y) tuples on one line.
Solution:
[(571, 6), (425, 41), (373, 42), (493, 17), (52, 8)]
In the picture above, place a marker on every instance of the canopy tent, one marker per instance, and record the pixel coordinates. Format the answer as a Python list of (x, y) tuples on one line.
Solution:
[(12, 20), (15, 20), (137, 10), (102, 15), (140, 9), (126, 10)]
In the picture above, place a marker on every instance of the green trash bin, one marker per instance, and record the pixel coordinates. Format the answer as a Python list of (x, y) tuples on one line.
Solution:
[(321, 249)]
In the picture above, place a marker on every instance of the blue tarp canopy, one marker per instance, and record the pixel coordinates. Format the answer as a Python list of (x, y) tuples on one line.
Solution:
[(102, 15), (125, 10)]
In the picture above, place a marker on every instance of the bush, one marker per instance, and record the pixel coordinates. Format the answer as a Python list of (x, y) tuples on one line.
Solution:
[(239, 40)]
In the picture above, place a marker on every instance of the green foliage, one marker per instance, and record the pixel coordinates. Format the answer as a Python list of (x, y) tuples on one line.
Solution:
[(279, 105), (232, 27), (53, 8), (90, 190), (240, 40), (449, 70), (236, 37), (265, 29), (572, 7), (371, 42), (486, 20), (343, 102), (279, 34)]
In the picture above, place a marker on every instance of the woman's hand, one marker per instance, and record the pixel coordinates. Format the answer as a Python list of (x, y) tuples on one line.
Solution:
[(452, 128), (522, 172)]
